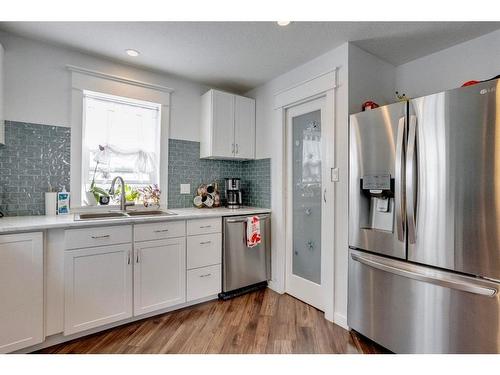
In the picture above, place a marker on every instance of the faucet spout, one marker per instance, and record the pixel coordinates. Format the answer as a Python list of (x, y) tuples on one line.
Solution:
[(122, 195)]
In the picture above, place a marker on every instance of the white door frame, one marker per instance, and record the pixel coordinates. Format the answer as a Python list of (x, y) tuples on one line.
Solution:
[(323, 85), (306, 290)]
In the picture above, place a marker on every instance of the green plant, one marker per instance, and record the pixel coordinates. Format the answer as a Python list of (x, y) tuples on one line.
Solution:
[(131, 194), (97, 191)]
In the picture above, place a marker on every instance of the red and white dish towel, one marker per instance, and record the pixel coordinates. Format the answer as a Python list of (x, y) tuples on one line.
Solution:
[(253, 231)]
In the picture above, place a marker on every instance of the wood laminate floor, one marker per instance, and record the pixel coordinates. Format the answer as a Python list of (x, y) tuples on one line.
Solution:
[(259, 322)]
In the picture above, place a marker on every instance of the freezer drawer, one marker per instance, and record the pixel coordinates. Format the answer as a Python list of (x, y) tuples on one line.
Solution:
[(244, 266), (414, 309)]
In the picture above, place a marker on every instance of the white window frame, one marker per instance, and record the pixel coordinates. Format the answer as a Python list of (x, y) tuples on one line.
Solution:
[(91, 80)]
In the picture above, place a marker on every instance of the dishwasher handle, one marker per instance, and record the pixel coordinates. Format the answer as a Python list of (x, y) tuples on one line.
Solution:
[(244, 219)]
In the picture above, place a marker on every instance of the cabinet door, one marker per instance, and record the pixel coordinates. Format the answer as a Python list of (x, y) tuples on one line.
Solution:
[(159, 274), (98, 286), (223, 124), (21, 291), (244, 128)]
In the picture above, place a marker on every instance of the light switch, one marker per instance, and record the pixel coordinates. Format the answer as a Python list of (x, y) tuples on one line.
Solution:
[(185, 188), (334, 174)]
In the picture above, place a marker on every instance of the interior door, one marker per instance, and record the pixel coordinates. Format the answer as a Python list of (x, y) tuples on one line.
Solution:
[(223, 124), (453, 179), (306, 202), (244, 127)]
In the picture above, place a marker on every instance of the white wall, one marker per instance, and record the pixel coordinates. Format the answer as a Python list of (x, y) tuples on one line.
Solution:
[(37, 85), (370, 78), (270, 144), (476, 59)]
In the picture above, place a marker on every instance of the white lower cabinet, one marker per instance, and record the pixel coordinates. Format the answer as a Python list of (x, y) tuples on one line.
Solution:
[(98, 286), (203, 282), (159, 274), (21, 291)]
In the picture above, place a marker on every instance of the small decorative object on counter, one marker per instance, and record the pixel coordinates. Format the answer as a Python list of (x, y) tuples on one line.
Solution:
[(150, 195), (207, 196), (63, 202), (369, 105), (104, 200), (401, 97)]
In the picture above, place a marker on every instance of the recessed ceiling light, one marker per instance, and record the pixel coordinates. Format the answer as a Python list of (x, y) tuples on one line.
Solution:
[(283, 23), (132, 52)]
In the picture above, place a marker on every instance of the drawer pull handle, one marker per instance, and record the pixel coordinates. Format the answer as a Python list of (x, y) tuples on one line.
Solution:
[(161, 230), (205, 242), (103, 236), (205, 226), (128, 257), (206, 275)]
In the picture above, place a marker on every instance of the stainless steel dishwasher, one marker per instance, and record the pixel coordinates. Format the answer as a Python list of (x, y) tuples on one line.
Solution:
[(245, 268)]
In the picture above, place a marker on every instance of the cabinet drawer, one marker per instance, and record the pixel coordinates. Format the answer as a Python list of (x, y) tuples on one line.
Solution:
[(203, 282), (158, 231), (204, 226), (97, 236), (204, 250)]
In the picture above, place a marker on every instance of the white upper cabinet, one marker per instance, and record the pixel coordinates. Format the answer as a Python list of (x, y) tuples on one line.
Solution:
[(227, 126), (244, 127), (21, 291)]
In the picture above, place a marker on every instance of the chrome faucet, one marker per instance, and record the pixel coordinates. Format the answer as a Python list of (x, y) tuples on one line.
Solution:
[(123, 199)]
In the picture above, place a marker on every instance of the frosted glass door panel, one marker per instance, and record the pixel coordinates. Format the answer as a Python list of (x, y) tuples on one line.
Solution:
[(306, 201)]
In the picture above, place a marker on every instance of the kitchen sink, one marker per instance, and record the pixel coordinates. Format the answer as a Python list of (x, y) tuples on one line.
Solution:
[(150, 213), (100, 215), (119, 215)]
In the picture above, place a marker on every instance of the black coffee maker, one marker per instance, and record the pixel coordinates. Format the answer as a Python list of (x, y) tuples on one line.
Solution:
[(233, 193)]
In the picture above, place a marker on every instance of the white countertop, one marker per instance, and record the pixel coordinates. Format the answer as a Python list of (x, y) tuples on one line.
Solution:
[(32, 223)]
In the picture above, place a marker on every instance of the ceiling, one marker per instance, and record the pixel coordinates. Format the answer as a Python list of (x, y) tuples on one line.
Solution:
[(242, 55)]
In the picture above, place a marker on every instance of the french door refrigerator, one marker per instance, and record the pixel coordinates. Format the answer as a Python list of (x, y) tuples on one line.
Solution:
[(424, 222)]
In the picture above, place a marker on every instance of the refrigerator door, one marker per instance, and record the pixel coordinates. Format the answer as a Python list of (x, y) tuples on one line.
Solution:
[(453, 180), (409, 308), (376, 180), (242, 265)]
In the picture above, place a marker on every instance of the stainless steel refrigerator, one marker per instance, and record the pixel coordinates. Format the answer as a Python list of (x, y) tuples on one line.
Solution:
[(424, 223)]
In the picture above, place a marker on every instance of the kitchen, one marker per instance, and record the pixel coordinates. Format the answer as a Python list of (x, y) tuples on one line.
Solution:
[(186, 204)]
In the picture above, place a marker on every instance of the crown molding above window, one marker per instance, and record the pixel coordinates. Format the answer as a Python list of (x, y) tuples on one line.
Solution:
[(120, 79)]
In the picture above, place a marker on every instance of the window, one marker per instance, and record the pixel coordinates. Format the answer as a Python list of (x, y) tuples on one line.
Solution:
[(120, 137)]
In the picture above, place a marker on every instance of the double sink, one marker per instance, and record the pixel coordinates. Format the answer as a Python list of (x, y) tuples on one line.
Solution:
[(121, 214)]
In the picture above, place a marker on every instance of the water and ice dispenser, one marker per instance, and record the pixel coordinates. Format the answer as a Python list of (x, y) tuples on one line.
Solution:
[(378, 194)]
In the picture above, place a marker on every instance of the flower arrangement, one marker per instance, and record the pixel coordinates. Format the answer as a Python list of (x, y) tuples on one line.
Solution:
[(150, 195)]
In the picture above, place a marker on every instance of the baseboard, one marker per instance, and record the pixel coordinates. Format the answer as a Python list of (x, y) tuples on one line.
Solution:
[(340, 320), (273, 285)]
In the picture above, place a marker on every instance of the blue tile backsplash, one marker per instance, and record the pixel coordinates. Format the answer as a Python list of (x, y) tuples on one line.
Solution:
[(33, 159), (186, 167), (36, 157)]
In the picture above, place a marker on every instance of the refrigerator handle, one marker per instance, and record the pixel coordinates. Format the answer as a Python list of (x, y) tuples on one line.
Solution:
[(399, 180), (410, 180), (413, 272)]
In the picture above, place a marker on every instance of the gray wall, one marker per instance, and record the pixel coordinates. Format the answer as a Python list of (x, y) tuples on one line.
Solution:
[(37, 157)]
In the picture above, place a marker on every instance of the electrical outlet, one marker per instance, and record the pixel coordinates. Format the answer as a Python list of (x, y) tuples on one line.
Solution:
[(185, 188)]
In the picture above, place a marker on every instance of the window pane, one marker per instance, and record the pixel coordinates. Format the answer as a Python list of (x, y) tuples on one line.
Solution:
[(130, 134)]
